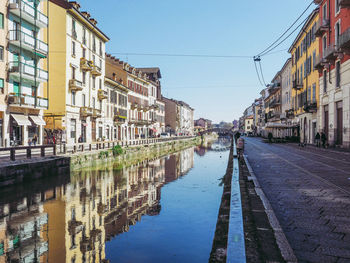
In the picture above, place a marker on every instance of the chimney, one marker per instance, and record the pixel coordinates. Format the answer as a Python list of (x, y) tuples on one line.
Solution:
[(86, 14), (94, 21), (114, 77), (75, 4)]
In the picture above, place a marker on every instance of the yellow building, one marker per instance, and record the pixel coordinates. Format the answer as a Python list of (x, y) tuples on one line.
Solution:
[(76, 77), (249, 124), (305, 85)]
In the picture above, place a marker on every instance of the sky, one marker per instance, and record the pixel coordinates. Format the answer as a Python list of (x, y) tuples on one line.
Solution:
[(217, 88)]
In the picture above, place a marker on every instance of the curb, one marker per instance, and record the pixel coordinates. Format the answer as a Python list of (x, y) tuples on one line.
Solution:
[(282, 242)]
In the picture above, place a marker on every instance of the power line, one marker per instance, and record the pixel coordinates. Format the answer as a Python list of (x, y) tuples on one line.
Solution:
[(257, 72), (261, 71), (285, 32)]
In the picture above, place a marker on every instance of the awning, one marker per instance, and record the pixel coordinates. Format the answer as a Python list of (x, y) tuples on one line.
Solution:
[(37, 120), (21, 119)]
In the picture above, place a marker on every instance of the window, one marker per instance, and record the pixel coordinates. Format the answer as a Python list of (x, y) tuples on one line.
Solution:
[(1, 20), (83, 99), (337, 8), (325, 81), (1, 53), (94, 44), (84, 77), (313, 60), (73, 73), (84, 36), (337, 33), (100, 64), (93, 82), (73, 97), (84, 52), (73, 127), (324, 44), (73, 48), (324, 11), (100, 83), (2, 85), (314, 92), (93, 103), (309, 94), (100, 48), (74, 32), (337, 74)]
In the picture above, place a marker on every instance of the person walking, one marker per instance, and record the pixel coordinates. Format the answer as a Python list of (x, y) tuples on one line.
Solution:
[(317, 139), (270, 136), (35, 139), (323, 139)]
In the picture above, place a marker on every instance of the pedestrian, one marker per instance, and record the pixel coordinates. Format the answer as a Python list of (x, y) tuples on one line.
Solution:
[(54, 139), (35, 139), (317, 139), (80, 139), (29, 142), (237, 135), (270, 136), (323, 139)]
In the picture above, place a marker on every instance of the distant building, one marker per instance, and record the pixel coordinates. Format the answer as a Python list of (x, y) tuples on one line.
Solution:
[(204, 123), (249, 124)]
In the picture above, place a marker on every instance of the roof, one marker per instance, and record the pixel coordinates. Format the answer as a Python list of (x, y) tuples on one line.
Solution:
[(151, 71)]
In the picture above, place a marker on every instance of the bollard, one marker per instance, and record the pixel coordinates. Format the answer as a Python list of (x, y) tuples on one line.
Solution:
[(13, 154), (42, 150), (29, 153)]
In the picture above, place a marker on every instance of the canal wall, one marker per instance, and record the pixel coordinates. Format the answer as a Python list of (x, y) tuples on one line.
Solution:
[(22, 172), (133, 154)]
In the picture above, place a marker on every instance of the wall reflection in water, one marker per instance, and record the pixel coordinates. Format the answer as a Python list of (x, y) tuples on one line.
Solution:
[(221, 145), (70, 220)]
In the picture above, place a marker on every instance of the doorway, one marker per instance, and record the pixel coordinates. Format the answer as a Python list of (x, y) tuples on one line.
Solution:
[(339, 129)]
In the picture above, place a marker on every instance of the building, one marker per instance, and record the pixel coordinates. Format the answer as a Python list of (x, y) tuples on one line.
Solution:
[(305, 94), (249, 124), (178, 117), (273, 108), (259, 116), (333, 63), (24, 76), (204, 123), (116, 112), (76, 77)]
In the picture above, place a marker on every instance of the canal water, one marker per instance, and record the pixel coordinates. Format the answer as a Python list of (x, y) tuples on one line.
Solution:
[(164, 210)]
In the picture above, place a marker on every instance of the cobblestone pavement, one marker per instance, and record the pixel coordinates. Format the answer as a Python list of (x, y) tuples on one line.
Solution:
[(309, 190)]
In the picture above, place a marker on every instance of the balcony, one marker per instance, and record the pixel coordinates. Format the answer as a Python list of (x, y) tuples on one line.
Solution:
[(297, 85), (86, 112), (75, 85), (310, 107), (102, 94), (85, 64), (96, 71), (322, 26), (320, 62), (28, 13), (275, 103), (27, 101), (331, 53), (344, 41), (22, 71), (344, 3), (96, 113), (28, 42)]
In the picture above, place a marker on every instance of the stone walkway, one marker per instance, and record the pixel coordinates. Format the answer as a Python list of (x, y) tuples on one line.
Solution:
[(309, 190)]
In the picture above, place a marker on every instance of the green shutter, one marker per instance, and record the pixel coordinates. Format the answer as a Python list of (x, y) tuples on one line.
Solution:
[(1, 20), (16, 87), (1, 83)]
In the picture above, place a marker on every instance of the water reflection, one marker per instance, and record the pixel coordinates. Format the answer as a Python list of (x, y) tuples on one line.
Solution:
[(221, 145), (71, 221)]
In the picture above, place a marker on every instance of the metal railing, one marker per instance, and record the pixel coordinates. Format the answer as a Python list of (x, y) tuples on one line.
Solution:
[(29, 71), (28, 151), (29, 10)]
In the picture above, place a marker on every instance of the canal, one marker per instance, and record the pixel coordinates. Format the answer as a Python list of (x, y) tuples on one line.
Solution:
[(163, 210)]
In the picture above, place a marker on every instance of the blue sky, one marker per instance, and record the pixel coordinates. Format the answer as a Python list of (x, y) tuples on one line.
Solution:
[(218, 88)]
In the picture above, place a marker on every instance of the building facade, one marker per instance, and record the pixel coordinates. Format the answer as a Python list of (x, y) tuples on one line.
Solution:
[(333, 63), (77, 63), (305, 94), (23, 81)]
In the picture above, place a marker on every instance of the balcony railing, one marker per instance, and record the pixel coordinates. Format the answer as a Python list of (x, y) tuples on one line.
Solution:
[(96, 71), (297, 85), (86, 65), (321, 27), (20, 70), (75, 85), (28, 12), (344, 40), (86, 111), (331, 53), (275, 103), (310, 107), (28, 42), (320, 62), (102, 94), (24, 100)]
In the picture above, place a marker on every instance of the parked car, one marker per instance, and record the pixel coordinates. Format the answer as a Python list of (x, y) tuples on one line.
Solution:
[(164, 135)]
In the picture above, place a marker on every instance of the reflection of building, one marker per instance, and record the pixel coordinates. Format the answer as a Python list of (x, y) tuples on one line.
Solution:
[(186, 161)]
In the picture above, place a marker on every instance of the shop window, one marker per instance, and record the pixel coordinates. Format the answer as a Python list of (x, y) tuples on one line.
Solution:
[(73, 128)]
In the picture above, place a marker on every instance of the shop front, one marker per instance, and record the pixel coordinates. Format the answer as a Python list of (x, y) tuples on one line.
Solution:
[(18, 123)]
